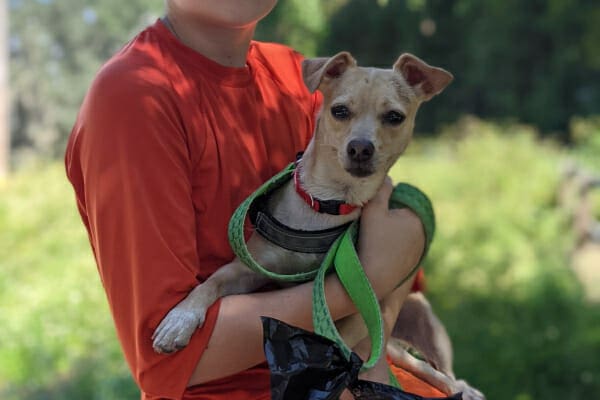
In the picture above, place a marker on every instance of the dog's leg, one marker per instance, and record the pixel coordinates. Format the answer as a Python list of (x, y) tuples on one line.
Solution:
[(175, 330), (418, 326), (421, 369)]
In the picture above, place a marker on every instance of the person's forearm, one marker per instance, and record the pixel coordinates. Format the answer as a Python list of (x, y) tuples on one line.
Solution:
[(387, 269), (236, 342), (390, 308)]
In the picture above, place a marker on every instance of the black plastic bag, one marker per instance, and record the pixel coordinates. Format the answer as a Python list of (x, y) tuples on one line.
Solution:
[(306, 366)]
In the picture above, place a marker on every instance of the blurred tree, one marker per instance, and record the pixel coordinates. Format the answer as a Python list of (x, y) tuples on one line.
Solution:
[(4, 95), (56, 46), (297, 23), (536, 61)]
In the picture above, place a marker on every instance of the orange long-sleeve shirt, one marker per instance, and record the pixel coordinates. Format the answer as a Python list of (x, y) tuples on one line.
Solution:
[(166, 145)]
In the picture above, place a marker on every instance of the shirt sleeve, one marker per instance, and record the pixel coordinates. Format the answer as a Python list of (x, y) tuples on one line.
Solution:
[(131, 154)]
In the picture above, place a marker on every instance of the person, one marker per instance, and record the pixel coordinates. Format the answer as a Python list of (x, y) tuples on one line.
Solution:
[(176, 130)]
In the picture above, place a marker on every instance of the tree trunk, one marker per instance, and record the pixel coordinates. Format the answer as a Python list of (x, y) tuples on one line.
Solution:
[(4, 93)]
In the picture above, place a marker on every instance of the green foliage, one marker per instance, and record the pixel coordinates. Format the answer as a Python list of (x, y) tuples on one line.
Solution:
[(57, 339), (585, 134), (536, 61), (497, 274)]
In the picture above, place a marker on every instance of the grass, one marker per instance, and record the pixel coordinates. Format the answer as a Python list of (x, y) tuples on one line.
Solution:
[(498, 274), (57, 339)]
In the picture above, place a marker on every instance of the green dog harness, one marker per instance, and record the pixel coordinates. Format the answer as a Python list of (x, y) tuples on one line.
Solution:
[(342, 257)]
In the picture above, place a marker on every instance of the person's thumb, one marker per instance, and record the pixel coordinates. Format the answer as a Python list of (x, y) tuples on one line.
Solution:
[(382, 197)]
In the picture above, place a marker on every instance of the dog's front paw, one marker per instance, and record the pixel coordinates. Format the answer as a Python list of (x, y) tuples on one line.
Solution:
[(468, 392), (175, 330)]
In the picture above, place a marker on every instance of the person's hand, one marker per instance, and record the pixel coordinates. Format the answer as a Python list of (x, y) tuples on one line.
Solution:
[(390, 243)]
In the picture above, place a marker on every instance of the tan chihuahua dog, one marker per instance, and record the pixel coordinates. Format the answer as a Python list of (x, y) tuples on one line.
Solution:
[(365, 124)]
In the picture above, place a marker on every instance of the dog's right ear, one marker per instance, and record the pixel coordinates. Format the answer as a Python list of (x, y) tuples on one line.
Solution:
[(317, 71), (426, 81)]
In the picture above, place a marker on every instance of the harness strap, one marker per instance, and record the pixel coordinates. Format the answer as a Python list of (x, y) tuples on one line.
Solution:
[(301, 241), (344, 259)]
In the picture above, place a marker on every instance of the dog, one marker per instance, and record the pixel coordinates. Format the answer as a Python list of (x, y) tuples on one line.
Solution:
[(365, 123)]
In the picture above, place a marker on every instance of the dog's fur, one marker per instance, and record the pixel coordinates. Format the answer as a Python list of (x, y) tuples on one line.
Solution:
[(365, 124)]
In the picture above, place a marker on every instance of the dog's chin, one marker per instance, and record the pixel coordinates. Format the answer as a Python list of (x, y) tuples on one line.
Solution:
[(359, 170)]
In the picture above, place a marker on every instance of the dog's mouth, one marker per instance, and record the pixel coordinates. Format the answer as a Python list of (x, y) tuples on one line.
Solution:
[(360, 169)]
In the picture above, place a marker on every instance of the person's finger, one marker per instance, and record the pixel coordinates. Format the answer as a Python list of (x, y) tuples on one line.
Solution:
[(382, 197)]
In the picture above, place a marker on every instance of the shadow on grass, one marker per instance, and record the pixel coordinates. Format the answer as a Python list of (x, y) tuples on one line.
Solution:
[(543, 346)]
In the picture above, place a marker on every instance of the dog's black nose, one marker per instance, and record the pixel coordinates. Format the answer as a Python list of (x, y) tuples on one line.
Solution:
[(360, 150)]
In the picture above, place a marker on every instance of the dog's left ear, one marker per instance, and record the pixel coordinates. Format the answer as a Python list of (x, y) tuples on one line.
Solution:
[(316, 71), (426, 81)]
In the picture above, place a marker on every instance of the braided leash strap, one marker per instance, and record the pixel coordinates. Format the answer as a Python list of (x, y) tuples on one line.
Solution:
[(343, 258)]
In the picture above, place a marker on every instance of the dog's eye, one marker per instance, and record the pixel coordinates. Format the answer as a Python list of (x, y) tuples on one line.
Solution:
[(393, 118), (340, 112)]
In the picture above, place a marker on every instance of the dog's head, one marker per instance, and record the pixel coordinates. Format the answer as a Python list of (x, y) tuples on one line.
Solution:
[(368, 114)]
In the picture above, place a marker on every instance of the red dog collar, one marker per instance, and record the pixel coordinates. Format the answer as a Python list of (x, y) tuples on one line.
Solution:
[(333, 207)]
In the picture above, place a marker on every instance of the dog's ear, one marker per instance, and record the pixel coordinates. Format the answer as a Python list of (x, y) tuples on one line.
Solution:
[(426, 81), (316, 71)]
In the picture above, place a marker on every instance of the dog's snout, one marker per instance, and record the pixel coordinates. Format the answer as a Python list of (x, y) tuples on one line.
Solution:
[(360, 150)]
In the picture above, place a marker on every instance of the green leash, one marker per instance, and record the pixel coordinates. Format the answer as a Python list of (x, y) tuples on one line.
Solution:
[(343, 258)]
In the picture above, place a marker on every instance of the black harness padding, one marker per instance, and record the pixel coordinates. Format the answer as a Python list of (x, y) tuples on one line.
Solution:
[(289, 238)]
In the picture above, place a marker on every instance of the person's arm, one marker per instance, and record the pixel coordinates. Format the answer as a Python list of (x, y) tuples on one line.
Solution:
[(391, 243), (129, 159)]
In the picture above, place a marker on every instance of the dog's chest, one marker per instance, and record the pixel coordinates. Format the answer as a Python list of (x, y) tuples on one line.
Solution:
[(282, 261), (290, 210)]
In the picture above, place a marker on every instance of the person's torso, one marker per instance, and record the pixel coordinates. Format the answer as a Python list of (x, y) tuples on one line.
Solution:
[(242, 125)]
